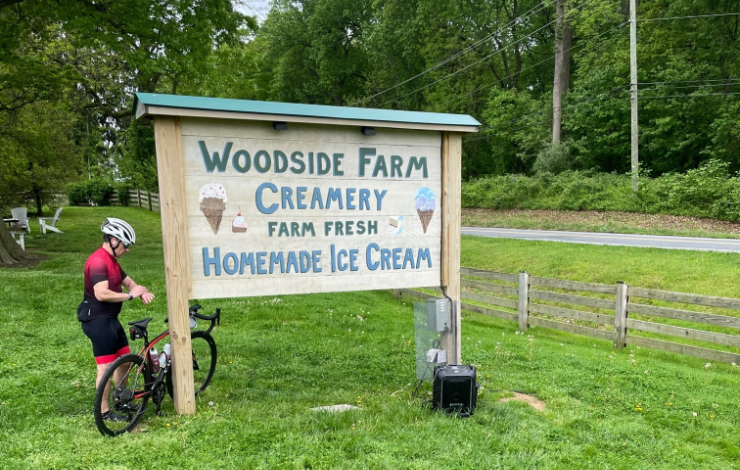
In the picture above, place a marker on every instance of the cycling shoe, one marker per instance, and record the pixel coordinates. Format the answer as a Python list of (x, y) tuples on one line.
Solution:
[(112, 416)]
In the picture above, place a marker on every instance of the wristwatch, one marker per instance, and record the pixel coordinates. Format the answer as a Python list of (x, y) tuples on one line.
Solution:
[(130, 296)]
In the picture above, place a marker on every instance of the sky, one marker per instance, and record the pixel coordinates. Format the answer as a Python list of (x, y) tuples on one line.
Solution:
[(258, 8)]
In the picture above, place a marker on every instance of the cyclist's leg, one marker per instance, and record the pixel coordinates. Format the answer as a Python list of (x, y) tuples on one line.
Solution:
[(120, 375), (109, 342)]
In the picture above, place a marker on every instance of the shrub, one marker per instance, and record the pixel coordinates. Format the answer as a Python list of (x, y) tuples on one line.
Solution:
[(708, 191), (122, 189), (94, 192), (77, 194), (553, 158)]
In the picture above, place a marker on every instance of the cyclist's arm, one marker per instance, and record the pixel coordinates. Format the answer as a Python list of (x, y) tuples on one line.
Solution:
[(104, 294), (129, 284)]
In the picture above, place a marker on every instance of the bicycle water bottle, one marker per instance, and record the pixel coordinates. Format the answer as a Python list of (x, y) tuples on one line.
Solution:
[(155, 360), (164, 356)]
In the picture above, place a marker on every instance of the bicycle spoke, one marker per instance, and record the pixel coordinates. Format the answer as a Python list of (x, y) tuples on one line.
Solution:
[(120, 409)]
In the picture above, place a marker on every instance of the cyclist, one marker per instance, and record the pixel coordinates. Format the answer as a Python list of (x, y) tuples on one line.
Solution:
[(103, 280)]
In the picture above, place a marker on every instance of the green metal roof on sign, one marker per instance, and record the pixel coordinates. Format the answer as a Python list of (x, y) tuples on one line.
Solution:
[(177, 105)]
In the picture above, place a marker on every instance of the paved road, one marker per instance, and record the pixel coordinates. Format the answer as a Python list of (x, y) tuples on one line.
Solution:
[(652, 241)]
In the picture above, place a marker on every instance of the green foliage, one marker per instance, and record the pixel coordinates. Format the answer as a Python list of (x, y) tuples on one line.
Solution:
[(489, 58), (709, 191), (553, 158), (138, 164), (38, 153), (122, 190), (85, 59), (77, 194), (94, 192)]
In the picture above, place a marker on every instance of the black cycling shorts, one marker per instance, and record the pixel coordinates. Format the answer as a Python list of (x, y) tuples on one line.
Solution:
[(108, 338)]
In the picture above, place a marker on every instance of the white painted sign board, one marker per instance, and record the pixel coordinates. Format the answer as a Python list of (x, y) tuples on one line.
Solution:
[(310, 209)]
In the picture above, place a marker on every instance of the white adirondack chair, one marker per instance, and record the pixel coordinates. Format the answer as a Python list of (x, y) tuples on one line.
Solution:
[(49, 223), (19, 239), (21, 213)]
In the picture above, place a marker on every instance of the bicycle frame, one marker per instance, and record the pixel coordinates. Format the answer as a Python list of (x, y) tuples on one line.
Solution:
[(149, 361), (145, 350)]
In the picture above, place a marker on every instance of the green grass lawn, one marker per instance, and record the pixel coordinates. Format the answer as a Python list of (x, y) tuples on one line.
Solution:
[(280, 356)]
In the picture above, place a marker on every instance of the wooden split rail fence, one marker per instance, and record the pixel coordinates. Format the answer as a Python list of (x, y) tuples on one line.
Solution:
[(616, 313), (138, 197)]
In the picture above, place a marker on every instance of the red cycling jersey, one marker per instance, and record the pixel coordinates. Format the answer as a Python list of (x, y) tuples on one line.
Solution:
[(102, 266)]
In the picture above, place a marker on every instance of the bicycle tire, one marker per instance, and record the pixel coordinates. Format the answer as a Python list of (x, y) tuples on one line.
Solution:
[(141, 379), (204, 362)]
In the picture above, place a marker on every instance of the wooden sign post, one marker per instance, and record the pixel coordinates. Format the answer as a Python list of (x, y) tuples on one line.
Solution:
[(272, 198)]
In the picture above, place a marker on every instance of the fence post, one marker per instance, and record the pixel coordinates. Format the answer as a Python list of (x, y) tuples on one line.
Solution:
[(620, 316), (138, 196), (149, 198), (523, 300)]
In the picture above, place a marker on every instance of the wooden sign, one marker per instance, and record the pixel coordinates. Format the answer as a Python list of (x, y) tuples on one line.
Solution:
[(264, 198), (310, 209)]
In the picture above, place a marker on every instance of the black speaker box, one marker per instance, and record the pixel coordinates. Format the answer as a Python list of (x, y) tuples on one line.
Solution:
[(455, 389)]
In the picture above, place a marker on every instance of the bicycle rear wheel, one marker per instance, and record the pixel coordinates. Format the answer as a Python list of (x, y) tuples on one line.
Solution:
[(204, 362), (128, 394)]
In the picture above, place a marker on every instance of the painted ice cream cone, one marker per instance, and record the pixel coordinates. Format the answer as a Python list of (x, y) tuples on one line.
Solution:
[(426, 203), (213, 203)]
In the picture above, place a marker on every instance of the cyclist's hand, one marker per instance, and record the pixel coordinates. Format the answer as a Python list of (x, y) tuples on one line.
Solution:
[(138, 291), (147, 297)]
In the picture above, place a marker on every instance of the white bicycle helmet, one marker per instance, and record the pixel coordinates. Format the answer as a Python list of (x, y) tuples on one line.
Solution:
[(119, 229)]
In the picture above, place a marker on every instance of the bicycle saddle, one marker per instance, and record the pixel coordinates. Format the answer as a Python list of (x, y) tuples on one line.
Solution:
[(140, 323)]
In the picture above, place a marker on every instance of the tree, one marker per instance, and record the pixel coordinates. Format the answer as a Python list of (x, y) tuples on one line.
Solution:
[(561, 80), (67, 73), (313, 49)]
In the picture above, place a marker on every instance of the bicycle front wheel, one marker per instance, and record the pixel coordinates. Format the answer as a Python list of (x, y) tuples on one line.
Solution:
[(204, 362), (124, 390)]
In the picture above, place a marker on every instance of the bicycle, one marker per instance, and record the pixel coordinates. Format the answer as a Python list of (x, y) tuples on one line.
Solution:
[(132, 379)]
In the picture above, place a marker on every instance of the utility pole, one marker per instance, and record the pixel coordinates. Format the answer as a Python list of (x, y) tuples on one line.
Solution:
[(633, 87)]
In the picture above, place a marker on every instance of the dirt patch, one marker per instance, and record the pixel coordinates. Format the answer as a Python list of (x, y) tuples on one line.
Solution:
[(593, 221), (535, 403)]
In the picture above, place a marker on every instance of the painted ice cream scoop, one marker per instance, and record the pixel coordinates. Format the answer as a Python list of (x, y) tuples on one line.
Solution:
[(426, 203), (239, 225), (212, 198)]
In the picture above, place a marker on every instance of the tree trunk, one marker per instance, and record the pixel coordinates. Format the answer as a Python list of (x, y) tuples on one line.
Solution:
[(37, 198), (10, 252), (561, 79)]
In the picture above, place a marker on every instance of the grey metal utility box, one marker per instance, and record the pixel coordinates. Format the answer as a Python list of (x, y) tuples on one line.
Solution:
[(438, 314)]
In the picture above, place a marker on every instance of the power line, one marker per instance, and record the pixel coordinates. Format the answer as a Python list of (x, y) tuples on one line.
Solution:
[(535, 65), (488, 56), (509, 128), (697, 86), (568, 105), (485, 135), (454, 56), (687, 96), (688, 17), (689, 81)]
